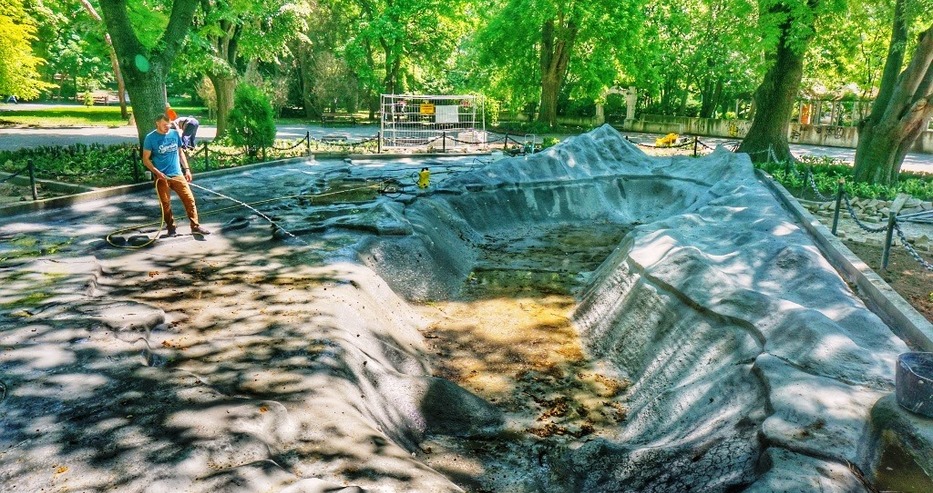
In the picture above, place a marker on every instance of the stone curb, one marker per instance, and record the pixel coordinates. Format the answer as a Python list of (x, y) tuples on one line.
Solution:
[(56, 186), (904, 320)]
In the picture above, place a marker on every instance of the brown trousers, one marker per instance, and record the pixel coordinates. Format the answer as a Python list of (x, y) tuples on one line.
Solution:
[(180, 185)]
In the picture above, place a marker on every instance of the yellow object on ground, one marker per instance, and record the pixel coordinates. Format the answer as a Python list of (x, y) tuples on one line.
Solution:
[(666, 141), (424, 178)]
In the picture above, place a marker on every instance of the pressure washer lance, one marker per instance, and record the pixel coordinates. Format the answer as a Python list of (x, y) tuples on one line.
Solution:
[(277, 231)]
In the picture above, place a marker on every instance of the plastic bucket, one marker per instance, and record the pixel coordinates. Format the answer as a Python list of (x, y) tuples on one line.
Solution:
[(914, 380)]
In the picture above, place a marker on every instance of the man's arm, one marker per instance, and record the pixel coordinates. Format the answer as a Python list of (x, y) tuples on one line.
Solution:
[(183, 160), (147, 162)]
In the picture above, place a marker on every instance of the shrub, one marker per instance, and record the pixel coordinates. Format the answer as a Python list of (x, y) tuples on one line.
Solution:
[(826, 174), (549, 142), (88, 98), (252, 121), (492, 112), (205, 90)]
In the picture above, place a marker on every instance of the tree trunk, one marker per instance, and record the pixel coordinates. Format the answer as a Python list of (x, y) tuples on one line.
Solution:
[(902, 110), (114, 63), (712, 93), (121, 84), (550, 87), (876, 150), (557, 41), (305, 64), (144, 91), (374, 108), (224, 87), (392, 66), (775, 97), (144, 70), (684, 98)]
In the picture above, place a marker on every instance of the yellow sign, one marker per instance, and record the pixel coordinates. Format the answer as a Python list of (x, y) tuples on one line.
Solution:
[(427, 108)]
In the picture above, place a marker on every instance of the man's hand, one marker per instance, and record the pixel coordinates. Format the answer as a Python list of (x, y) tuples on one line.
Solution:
[(188, 174)]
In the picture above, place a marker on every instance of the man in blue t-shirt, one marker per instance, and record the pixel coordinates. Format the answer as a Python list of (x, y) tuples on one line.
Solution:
[(163, 156)]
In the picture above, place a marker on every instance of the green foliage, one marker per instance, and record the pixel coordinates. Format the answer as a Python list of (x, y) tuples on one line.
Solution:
[(506, 52), (521, 128), (549, 142), (103, 166), (834, 61), (827, 172), (19, 67), (252, 121), (88, 98), (693, 47), (492, 108), (94, 165), (398, 47)]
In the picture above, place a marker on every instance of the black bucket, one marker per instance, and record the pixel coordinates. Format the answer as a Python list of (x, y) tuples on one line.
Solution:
[(914, 378)]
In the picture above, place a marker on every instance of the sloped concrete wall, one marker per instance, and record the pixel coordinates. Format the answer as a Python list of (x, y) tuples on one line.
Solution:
[(753, 364)]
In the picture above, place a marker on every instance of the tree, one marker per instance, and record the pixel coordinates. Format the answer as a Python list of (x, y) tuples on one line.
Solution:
[(390, 38), (562, 37), (73, 46), (145, 67), (252, 122), (229, 35), (700, 55), (121, 86), (835, 62), (903, 107), (790, 24), (19, 72)]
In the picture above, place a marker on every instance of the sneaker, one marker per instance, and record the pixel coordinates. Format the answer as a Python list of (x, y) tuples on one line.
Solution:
[(199, 230), (171, 231)]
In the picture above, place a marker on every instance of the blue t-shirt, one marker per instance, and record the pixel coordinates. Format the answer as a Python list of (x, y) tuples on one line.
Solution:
[(164, 150)]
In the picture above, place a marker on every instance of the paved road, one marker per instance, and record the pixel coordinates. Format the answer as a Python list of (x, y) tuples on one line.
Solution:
[(15, 138)]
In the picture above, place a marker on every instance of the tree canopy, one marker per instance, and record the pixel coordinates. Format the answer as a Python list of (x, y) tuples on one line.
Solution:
[(19, 66), (543, 58)]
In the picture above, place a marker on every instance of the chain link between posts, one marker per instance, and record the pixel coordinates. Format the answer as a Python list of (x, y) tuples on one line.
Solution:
[(910, 249), (14, 175), (809, 178), (869, 229)]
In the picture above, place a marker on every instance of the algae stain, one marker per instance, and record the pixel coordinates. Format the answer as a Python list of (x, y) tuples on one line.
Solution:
[(899, 472), (27, 246), (510, 338)]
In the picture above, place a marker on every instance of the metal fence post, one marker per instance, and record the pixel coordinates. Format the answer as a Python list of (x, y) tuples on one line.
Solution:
[(696, 141), (134, 165), (888, 236), (308, 141), (207, 158), (839, 192), (379, 142), (505, 142), (444, 142), (32, 180)]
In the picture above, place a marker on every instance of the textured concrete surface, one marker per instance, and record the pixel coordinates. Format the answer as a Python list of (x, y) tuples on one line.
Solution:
[(242, 362)]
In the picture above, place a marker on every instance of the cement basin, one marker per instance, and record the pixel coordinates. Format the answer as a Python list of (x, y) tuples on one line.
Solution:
[(915, 382), (247, 363)]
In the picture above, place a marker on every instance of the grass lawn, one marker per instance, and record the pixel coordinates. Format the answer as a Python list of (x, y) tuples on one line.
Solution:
[(60, 115)]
